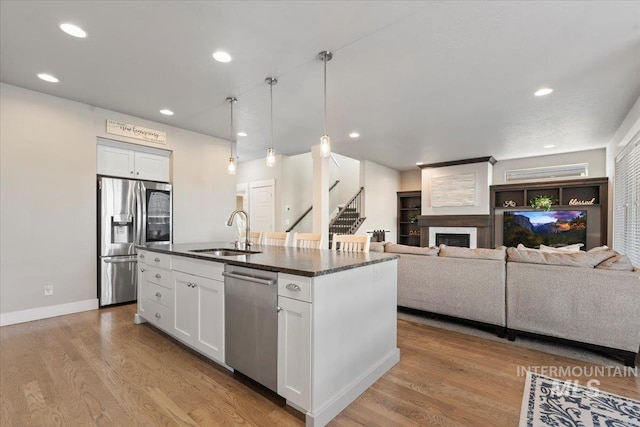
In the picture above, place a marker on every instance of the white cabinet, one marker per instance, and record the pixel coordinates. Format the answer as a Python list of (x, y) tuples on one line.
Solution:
[(115, 161), (155, 294), (294, 351), (199, 313)]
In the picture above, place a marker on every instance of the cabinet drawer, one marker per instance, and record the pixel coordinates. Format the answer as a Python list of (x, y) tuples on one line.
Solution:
[(209, 269), (155, 259), (158, 276), (157, 293), (296, 287), (158, 315)]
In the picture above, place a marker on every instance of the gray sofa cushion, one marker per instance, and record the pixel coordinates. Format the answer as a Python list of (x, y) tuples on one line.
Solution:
[(406, 249), (617, 262), (498, 254), (471, 289), (570, 259), (587, 305)]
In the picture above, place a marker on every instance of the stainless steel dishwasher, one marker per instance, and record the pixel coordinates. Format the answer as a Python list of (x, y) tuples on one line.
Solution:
[(251, 323)]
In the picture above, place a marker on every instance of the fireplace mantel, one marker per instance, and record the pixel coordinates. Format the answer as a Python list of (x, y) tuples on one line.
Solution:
[(481, 222)]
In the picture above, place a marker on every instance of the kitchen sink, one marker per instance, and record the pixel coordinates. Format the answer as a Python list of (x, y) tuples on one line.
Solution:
[(224, 252)]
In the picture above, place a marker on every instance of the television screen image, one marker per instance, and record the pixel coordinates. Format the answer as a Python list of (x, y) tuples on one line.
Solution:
[(552, 228)]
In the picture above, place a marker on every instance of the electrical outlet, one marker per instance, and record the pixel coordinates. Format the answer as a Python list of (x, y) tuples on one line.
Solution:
[(48, 289)]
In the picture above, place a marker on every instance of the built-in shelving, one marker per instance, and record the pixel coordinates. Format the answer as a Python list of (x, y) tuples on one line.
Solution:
[(589, 193), (409, 209)]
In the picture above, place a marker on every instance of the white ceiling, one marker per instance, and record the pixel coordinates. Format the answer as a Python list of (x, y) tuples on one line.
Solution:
[(421, 81)]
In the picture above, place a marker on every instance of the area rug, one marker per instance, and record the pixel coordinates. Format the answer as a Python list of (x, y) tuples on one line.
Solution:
[(551, 402)]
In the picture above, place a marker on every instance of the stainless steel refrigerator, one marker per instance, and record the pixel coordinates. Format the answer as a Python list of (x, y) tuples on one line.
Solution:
[(130, 213)]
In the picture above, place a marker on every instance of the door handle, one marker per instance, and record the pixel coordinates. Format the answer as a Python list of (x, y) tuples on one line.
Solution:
[(278, 309), (239, 276), (293, 287)]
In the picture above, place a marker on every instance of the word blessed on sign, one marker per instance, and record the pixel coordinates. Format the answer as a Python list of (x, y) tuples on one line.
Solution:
[(138, 132), (576, 202)]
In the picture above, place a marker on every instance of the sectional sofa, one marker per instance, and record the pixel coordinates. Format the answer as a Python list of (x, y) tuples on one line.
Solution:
[(587, 298)]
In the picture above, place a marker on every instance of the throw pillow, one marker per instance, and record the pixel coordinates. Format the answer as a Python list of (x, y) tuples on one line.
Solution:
[(563, 249), (414, 250), (570, 259), (618, 262), (498, 254)]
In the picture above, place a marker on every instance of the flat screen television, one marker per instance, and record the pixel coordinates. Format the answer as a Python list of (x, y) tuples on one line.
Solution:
[(552, 228)]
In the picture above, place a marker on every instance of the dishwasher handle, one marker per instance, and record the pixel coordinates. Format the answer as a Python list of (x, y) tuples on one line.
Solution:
[(240, 276)]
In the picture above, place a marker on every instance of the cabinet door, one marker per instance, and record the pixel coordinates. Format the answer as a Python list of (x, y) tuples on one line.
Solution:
[(294, 351), (184, 300), (115, 161), (152, 167), (209, 313), (142, 307)]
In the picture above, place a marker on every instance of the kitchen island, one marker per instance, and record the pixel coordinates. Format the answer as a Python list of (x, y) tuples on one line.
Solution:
[(336, 314)]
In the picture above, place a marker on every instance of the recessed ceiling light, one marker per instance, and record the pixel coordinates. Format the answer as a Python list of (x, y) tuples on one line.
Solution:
[(166, 112), (48, 78), (354, 135), (221, 56), (544, 91), (242, 134), (73, 30), (418, 163), (548, 146)]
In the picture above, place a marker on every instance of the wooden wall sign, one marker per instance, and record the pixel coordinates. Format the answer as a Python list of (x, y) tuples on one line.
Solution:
[(137, 132)]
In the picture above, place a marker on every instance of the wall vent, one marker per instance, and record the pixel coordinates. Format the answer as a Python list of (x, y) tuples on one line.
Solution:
[(579, 170)]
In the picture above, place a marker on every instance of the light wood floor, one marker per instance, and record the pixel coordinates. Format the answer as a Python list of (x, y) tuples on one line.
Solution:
[(98, 368)]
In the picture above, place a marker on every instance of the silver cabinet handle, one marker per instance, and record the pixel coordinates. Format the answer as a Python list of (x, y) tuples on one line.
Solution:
[(142, 270), (131, 172), (158, 294), (236, 275), (157, 260), (293, 287), (278, 309), (158, 276), (158, 315), (141, 256)]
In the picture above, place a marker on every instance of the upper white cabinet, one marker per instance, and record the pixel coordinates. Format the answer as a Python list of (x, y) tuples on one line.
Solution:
[(116, 161)]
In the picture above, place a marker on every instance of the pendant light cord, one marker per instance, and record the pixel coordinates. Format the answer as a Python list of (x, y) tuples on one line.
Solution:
[(271, 92), (231, 130), (325, 92)]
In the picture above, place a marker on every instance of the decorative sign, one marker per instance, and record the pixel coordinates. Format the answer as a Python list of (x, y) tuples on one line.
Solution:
[(454, 190), (138, 132), (576, 202), (509, 204)]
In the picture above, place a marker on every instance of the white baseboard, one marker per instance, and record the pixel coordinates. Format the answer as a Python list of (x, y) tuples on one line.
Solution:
[(322, 416), (46, 312)]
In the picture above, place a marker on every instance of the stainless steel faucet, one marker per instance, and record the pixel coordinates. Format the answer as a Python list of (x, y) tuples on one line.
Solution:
[(247, 241)]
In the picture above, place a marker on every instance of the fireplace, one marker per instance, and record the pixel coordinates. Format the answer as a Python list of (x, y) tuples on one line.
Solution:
[(478, 228), (455, 236), (454, 239)]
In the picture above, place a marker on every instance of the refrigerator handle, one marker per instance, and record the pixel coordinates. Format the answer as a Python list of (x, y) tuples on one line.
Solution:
[(139, 214)]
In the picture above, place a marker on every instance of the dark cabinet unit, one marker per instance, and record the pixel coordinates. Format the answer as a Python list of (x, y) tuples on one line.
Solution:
[(409, 208)]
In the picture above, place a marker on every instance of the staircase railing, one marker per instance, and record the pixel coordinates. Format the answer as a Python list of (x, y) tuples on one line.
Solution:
[(309, 210), (348, 219), (352, 205)]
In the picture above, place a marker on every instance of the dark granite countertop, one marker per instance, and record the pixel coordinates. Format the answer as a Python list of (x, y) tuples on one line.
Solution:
[(283, 259)]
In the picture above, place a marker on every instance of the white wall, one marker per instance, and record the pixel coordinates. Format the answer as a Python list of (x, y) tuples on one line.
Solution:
[(48, 194), (483, 177), (380, 198), (411, 180), (596, 159)]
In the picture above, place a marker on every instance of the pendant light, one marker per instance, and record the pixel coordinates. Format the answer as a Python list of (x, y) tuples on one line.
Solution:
[(325, 142), (271, 152), (231, 167)]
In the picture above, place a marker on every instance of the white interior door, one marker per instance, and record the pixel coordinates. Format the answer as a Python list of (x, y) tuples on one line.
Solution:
[(262, 205)]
